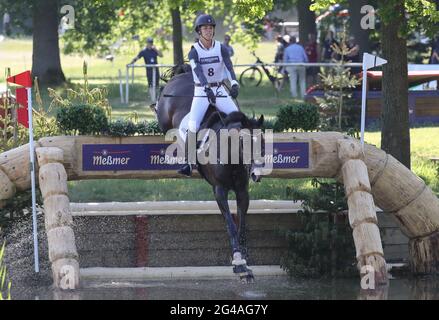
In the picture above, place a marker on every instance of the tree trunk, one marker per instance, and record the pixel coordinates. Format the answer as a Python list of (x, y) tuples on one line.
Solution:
[(395, 132), (361, 35), (307, 20), (46, 63), (177, 36)]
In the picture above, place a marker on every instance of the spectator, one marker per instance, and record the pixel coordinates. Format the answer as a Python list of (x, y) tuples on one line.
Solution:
[(434, 58), (354, 54), (6, 24), (268, 28), (295, 53), (327, 51), (279, 55), (228, 46), (312, 54), (149, 55)]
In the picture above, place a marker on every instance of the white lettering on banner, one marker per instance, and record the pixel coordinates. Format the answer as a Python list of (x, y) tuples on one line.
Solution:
[(269, 158), (109, 160), (159, 159)]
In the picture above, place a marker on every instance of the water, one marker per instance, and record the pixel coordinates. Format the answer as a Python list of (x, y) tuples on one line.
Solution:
[(271, 288)]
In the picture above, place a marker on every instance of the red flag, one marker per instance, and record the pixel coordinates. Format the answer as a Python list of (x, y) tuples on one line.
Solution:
[(23, 79), (21, 96), (22, 112)]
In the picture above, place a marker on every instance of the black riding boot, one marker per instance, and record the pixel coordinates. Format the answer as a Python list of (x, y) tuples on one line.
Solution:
[(187, 167)]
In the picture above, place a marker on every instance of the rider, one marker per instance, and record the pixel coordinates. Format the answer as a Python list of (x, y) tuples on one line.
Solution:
[(208, 59)]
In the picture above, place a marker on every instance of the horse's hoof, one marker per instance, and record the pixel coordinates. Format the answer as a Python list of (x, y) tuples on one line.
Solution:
[(247, 277)]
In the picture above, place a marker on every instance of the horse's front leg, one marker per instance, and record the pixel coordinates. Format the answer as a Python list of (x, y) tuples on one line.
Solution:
[(239, 264), (221, 196), (242, 201)]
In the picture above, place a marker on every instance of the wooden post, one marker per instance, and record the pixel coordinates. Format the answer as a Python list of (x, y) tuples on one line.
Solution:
[(58, 218), (362, 213)]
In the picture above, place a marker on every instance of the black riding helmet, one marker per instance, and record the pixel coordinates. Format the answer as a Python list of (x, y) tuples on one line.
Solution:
[(203, 20)]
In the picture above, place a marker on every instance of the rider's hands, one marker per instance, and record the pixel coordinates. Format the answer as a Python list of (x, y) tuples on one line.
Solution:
[(234, 91), (210, 95)]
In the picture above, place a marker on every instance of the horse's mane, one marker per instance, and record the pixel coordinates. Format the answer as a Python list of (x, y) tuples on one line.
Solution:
[(170, 73)]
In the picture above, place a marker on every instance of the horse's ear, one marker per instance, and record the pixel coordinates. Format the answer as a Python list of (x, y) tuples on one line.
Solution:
[(261, 120)]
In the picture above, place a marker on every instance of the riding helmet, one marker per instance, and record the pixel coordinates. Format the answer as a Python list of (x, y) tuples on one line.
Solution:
[(203, 20)]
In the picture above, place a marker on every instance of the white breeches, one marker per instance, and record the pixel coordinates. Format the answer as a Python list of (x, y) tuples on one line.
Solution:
[(192, 120)]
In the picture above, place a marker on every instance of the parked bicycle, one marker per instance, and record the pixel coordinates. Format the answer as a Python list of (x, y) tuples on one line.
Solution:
[(252, 76)]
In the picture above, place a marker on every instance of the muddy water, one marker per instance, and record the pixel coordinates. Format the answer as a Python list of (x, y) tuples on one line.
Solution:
[(272, 288)]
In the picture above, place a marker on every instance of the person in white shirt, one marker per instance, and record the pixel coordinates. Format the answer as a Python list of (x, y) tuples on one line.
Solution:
[(209, 60), (295, 53)]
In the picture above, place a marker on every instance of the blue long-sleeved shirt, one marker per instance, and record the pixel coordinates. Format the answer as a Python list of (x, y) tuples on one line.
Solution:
[(295, 53)]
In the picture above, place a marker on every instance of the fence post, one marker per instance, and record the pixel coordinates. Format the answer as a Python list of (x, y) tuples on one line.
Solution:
[(127, 85)]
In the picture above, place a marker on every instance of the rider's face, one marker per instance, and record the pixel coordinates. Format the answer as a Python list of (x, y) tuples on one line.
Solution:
[(207, 32)]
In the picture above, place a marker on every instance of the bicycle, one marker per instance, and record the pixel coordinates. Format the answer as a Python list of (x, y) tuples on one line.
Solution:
[(252, 76)]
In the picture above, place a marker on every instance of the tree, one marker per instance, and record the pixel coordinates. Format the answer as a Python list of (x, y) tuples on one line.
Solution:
[(46, 63), (45, 18), (307, 20), (362, 36), (177, 36), (395, 131), (422, 15), (96, 32)]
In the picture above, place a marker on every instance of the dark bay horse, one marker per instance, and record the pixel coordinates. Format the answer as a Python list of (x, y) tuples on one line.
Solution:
[(174, 103)]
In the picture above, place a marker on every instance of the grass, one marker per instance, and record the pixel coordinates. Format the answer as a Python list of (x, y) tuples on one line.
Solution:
[(17, 54)]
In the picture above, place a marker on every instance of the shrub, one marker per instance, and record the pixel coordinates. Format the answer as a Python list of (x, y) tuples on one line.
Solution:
[(324, 246), (125, 128), (300, 116), (82, 119), (3, 276)]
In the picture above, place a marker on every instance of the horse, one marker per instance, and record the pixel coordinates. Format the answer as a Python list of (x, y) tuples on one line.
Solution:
[(173, 105)]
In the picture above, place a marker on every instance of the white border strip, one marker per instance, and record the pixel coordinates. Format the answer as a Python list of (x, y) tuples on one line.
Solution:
[(175, 273)]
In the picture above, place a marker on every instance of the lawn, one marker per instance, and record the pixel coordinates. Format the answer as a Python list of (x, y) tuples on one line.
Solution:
[(17, 54)]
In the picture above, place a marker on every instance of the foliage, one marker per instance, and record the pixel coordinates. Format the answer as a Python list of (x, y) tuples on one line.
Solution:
[(422, 14), (18, 206), (106, 25), (336, 82), (125, 128), (83, 96), (83, 119), (44, 125), (324, 245), (299, 116), (5, 293)]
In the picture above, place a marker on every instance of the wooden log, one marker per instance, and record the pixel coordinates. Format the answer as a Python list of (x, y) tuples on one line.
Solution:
[(65, 273), (47, 155), (61, 243), (7, 188), (57, 211), (361, 208), (349, 149), (367, 239), (53, 180), (424, 254), (379, 267), (375, 160), (355, 177), (421, 216), (67, 144), (396, 187), (15, 164)]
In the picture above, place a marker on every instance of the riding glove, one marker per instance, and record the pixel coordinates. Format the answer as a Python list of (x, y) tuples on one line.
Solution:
[(210, 95), (234, 91)]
